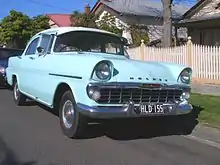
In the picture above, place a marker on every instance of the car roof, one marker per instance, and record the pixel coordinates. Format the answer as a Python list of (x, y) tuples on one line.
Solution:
[(62, 30)]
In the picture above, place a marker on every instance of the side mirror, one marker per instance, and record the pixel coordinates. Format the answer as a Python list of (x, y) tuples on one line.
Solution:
[(125, 42), (40, 49)]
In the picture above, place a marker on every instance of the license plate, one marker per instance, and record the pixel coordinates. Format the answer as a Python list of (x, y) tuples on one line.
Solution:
[(151, 109)]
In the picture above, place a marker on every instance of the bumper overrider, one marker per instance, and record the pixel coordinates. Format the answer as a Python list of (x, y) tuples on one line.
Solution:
[(129, 100), (2, 79), (2, 75)]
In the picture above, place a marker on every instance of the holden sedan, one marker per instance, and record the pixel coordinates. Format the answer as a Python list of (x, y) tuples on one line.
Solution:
[(86, 73)]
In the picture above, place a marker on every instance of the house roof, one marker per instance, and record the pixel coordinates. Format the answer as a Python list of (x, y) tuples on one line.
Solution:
[(190, 15), (60, 20), (194, 8), (141, 7)]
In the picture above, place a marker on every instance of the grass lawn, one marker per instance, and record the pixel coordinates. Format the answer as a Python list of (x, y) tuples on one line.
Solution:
[(210, 105)]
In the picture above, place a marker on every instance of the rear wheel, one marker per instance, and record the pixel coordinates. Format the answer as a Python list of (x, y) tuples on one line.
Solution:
[(18, 97), (71, 121)]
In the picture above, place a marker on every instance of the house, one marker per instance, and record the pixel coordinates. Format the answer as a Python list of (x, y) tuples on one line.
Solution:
[(203, 22), (59, 20), (139, 12), (62, 20)]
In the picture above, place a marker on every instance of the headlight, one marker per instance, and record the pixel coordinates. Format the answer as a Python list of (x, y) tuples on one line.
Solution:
[(185, 96), (103, 71), (2, 70), (185, 76), (93, 93)]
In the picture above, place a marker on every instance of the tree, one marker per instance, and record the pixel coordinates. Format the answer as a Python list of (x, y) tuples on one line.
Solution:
[(139, 33), (167, 19), (15, 29), (39, 23), (167, 23), (108, 23), (83, 19)]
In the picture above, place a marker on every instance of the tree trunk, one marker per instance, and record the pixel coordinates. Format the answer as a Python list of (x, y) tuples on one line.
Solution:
[(167, 23)]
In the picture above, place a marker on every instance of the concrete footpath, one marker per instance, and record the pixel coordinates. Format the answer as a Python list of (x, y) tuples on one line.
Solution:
[(203, 132), (206, 89), (206, 134)]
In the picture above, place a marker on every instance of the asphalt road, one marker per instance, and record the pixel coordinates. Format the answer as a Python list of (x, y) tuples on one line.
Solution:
[(31, 135)]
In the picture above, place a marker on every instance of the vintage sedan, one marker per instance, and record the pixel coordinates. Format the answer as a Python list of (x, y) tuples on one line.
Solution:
[(86, 73)]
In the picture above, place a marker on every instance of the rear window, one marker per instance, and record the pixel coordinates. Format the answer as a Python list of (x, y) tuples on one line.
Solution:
[(6, 53)]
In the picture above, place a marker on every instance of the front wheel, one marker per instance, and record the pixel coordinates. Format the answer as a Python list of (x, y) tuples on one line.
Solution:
[(71, 121), (18, 97)]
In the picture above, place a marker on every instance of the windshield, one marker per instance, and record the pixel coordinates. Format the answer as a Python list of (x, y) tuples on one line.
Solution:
[(89, 42), (5, 53)]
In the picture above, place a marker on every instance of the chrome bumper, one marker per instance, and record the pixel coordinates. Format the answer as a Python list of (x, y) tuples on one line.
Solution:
[(128, 111)]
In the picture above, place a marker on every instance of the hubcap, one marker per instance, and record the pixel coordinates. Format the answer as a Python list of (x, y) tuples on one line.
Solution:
[(16, 91), (68, 114)]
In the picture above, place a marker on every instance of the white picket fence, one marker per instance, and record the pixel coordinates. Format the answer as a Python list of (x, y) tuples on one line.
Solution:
[(204, 60)]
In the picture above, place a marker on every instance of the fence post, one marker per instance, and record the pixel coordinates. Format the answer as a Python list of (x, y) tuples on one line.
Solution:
[(189, 49), (142, 48)]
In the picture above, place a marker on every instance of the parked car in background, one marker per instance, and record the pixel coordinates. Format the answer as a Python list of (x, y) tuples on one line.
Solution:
[(83, 72), (5, 53)]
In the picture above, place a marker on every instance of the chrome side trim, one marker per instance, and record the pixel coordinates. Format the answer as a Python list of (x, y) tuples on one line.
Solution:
[(68, 76)]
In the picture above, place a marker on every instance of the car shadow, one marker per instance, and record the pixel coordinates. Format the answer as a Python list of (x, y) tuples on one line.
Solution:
[(142, 128), (8, 157)]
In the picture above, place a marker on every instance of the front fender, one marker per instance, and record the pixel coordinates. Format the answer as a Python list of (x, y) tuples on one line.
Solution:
[(77, 86)]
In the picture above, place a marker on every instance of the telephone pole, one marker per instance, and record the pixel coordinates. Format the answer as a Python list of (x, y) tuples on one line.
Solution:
[(167, 23)]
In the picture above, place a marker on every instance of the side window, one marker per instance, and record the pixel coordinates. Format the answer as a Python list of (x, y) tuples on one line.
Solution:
[(32, 47), (45, 42), (50, 44)]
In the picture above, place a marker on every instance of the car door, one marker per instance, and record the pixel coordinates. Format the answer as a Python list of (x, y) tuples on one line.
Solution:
[(26, 75), (40, 65)]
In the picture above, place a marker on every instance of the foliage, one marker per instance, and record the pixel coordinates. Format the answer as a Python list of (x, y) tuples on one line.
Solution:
[(139, 33), (39, 23), (108, 23), (83, 19), (17, 28)]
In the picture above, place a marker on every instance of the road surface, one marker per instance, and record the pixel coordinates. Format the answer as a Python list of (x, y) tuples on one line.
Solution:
[(31, 135)]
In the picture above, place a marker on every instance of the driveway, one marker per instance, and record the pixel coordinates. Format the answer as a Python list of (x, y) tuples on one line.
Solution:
[(31, 135)]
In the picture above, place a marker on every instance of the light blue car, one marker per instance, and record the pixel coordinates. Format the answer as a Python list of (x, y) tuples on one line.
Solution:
[(86, 73)]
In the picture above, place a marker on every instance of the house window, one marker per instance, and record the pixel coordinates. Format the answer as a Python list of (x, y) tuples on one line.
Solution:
[(210, 37), (216, 37), (201, 37)]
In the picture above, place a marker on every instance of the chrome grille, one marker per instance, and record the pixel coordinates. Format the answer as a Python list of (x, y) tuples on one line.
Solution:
[(122, 95)]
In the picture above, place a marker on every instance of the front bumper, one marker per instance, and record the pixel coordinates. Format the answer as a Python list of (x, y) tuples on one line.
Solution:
[(129, 111)]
